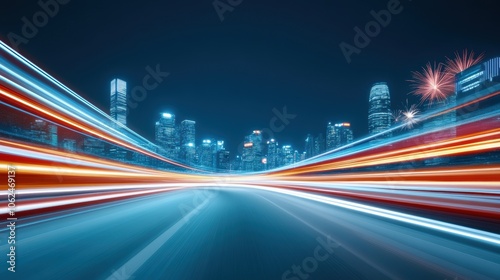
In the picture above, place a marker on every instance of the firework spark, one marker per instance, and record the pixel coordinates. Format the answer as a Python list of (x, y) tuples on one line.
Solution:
[(462, 62), (433, 83), (410, 116), (397, 115)]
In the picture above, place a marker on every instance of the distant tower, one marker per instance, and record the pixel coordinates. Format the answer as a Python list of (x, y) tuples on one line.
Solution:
[(319, 144), (379, 114), (207, 153), (338, 135), (272, 154), (331, 137), (119, 101), (166, 135), (187, 140), (223, 159), (287, 154), (309, 147), (344, 134), (253, 152)]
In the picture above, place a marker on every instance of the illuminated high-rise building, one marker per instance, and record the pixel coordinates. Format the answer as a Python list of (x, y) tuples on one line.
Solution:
[(223, 159), (478, 77), (219, 145), (319, 144), (166, 135), (296, 156), (344, 134), (253, 148), (272, 154), (288, 154), (379, 113), (187, 140), (118, 110), (330, 136), (207, 152), (309, 146), (478, 82), (338, 135)]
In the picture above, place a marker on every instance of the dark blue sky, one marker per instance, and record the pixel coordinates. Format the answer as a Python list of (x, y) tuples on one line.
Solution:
[(229, 75)]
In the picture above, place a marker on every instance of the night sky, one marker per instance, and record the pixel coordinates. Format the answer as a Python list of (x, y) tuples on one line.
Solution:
[(228, 76)]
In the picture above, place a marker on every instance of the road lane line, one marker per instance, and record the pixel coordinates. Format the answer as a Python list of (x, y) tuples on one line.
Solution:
[(130, 267)]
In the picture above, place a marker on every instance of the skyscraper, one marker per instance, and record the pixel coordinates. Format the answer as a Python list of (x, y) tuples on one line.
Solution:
[(478, 77), (272, 154), (344, 134), (220, 145), (296, 156), (379, 114), (319, 144), (223, 159), (166, 135), (288, 154), (338, 135), (253, 152), (207, 153), (478, 82), (309, 146), (118, 95), (330, 136), (187, 141)]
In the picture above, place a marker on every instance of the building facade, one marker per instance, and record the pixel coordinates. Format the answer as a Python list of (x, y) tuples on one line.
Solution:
[(309, 146), (187, 132), (118, 95), (166, 136), (207, 152), (379, 113), (253, 152), (338, 135), (272, 154), (319, 144)]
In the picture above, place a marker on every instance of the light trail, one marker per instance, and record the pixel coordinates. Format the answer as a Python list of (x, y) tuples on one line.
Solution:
[(54, 180)]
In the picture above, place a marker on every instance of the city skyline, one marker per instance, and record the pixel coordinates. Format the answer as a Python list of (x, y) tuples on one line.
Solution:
[(178, 141), (211, 75), (234, 139)]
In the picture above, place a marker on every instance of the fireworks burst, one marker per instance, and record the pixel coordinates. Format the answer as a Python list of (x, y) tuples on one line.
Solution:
[(433, 83), (409, 116), (397, 115), (462, 62)]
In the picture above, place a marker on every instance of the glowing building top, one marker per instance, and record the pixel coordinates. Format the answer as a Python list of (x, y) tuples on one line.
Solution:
[(379, 114), (118, 110)]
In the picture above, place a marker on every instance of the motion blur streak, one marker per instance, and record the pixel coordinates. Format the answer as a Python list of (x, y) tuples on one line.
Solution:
[(424, 203)]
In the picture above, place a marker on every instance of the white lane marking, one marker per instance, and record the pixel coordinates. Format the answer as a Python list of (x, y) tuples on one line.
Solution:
[(126, 270)]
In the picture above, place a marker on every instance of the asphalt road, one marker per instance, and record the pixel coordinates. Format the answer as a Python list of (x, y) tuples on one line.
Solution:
[(239, 234)]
